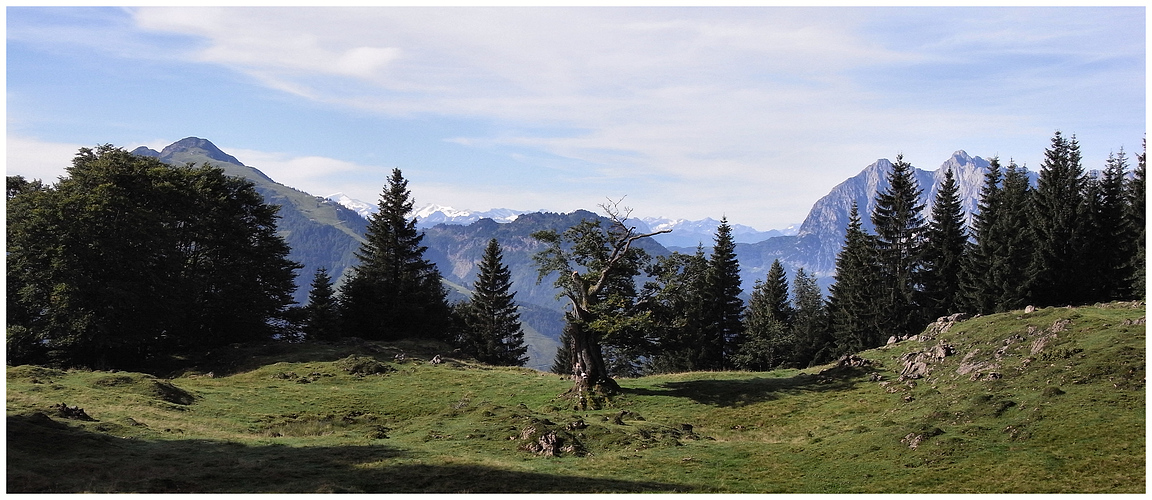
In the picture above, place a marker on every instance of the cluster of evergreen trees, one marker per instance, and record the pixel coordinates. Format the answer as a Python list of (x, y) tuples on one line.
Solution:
[(1073, 238), (395, 293)]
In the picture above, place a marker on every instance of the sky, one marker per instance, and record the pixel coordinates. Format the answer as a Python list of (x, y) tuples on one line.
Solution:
[(749, 113)]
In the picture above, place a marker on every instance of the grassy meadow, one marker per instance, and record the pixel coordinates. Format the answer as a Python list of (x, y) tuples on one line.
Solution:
[(1051, 401)]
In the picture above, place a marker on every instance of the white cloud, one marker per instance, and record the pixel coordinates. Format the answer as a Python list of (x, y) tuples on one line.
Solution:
[(37, 159)]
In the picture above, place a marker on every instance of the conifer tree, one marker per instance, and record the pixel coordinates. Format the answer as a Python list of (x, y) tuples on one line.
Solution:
[(564, 360), (1108, 258), (394, 292), (675, 299), (977, 283), (322, 314), (814, 343), (768, 340), (1137, 220), (899, 234), (725, 308), (944, 251), (1013, 231), (852, 298), (494, 334), (1056, 273)]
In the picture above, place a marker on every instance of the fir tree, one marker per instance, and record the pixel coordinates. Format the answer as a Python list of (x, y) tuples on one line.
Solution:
[(725, 308), (1108, 257), (563, 362), (768, 338), (944, 251), (494, 334), (1136, 223), (1013, 232), (322, 314), (852, 298), (977, 283), (899, 234), (394, 292), (1057, 273), (814, 343)]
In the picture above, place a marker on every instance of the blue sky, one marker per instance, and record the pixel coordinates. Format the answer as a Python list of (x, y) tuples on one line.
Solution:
[(752, 113)]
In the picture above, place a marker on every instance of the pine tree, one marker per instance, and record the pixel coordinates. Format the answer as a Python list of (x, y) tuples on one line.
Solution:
[(322, 314), (852, 301), (767, 324), (724, 324), (1057, 273), (814, 342), (899, 238), (944, 248), (394, 292), (1136, 223), (494, 334)]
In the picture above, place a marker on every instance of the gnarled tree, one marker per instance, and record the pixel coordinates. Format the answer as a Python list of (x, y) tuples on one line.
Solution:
[(594, 265)]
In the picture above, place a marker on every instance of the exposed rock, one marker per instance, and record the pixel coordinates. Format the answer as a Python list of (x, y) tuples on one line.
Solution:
[(72, 412), (916, 364), (914, 439), (1030, 309)]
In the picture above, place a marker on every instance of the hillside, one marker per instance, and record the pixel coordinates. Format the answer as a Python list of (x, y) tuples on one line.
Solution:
[(1039, 402)]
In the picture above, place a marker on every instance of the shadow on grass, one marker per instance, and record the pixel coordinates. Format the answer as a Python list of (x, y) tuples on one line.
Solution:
[(735, 393), (46, 456)]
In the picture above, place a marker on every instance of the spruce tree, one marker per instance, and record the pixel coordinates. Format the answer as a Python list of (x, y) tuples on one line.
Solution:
[(494, 334), (1108, 258), (768, 338), (899, 238), (564, 360), (322, 314), (1136, 223), (1013, 233), (814, 343), (725, 309), (977, 284), (944, 248), (675, 301), (1057, 270), (394, 292), (852, 300)]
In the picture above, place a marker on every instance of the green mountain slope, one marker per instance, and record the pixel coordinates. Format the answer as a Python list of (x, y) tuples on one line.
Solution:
[(1040, 402)]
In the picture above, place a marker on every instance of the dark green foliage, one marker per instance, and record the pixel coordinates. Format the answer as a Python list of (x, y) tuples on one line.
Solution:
[(563, 362), (899, 239), (814, 343), (1137, 220), (944, 251), (724, 309), (1057, 272), (394, 292), (127, 260), (852, 302), (493, 333), (675, 299), (1108, 257), (322, 314), (768, 340)]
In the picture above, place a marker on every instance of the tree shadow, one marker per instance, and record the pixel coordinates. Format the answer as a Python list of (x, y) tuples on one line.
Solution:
[(46, 456), (742, 392)]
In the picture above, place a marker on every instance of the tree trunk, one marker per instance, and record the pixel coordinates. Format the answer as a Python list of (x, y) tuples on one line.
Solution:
[(588, 368)]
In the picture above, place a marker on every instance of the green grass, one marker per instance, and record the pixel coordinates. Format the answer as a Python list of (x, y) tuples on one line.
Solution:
[(1069, 417)]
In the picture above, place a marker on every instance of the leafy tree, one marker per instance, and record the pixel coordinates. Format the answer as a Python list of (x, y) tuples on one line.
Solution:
[(394, 292), (944, 247), (724, 309), (899, 239), (322, 314), (1056, 273), (126, 261), (852, 301), (594, 268), (494, 334), (768, 341), (814, 343)]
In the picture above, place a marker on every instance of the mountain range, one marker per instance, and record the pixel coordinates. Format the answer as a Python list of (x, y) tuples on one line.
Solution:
[(325, 232)]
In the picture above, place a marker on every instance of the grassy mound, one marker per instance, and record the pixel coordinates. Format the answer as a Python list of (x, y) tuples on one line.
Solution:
[(1046, 401)]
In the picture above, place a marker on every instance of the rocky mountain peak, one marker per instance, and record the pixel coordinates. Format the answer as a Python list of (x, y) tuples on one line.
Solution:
[(197, 145)]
